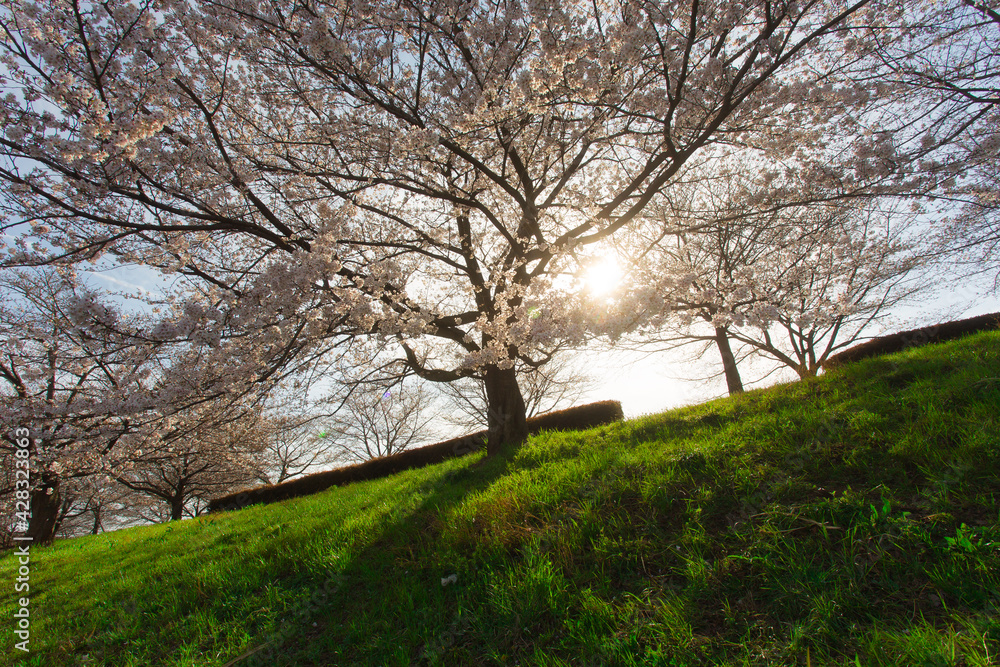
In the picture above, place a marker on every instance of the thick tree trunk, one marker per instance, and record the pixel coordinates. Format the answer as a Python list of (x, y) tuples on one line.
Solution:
[(177, 507), (45, 505), (733, 380), (177, 502), (507, 416)]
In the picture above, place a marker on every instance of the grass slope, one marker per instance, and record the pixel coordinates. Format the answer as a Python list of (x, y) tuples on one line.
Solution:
[(850, 519)]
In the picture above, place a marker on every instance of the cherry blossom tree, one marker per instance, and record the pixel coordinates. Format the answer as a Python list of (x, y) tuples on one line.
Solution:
[(8, 505), (96, 385), (970, 82), (936, 78), (204, 452), (419, 172), (89, 505), (76, 388), (794, 283), (97, 503)]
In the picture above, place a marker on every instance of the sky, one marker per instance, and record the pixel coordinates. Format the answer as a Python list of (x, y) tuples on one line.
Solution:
[(651, 382)]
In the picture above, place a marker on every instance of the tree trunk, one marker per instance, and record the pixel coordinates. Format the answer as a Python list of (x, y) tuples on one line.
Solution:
[(728, 361), (45, 507), (177, 507), (807, 371), (506, 414), (97, 521)]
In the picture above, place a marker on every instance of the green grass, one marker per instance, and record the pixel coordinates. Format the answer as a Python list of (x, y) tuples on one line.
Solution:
[(851, 519)]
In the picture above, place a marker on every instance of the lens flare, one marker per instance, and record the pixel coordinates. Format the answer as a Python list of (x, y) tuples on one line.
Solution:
[(603, 276)]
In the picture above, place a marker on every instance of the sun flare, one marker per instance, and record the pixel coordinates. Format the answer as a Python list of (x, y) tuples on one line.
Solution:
[(603, 276)]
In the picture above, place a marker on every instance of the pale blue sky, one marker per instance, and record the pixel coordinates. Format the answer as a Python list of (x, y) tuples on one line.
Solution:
[(649, 383)]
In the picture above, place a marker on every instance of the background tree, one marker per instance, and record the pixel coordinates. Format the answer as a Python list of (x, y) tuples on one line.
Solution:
[(416, 170), (199, 454), (7, 500), (376, 420), (297, 445), (937, 78), (94, 504), (95, 385), (78, 388), (793, 283)]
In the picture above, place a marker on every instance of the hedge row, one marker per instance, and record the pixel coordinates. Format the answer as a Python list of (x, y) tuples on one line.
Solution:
[(584, 416), (922, 336)]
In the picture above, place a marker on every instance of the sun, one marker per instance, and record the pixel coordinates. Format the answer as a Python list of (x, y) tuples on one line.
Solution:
[(602, 276)]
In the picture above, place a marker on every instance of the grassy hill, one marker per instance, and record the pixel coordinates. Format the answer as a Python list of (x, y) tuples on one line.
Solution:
[(850, 519)]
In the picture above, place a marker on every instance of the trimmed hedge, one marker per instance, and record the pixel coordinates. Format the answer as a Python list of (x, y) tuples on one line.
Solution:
[(581, 417), (922, 336)]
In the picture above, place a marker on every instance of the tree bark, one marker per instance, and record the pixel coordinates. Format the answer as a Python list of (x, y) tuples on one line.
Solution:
[(177, 507), (45, 505), (97, 521), (733, 381), (506, 413)]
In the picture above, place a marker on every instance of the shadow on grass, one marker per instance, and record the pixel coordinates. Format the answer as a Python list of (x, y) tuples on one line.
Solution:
[(372, 599), (806, 518)]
